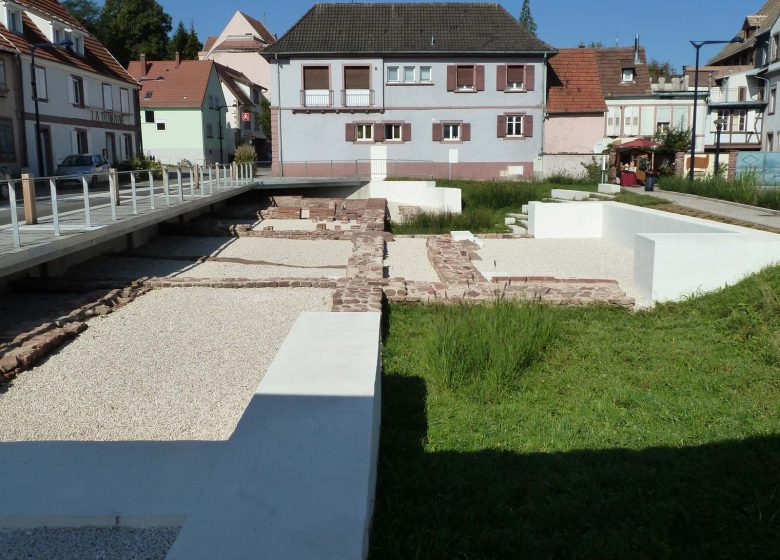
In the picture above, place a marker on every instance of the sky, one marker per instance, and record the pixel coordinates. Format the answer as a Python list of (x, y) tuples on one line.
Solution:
[(665, 27)]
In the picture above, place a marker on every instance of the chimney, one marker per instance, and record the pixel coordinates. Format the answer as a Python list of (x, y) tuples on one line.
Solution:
[(178, 59), (637, 60), (144, 68)]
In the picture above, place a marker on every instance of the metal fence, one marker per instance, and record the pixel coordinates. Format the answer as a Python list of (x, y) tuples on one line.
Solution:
[(145, 191)]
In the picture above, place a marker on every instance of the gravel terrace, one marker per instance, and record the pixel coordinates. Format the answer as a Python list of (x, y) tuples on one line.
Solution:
[(408, 258), (103, 543), (175, 364), (562, 258)]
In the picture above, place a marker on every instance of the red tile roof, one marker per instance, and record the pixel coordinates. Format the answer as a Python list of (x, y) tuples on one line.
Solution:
[(184, 86), (231, 78), (96, 57), (574, 85), (210, 40), (611, 63)]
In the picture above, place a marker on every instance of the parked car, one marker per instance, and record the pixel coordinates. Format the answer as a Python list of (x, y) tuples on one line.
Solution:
[(76, 166)]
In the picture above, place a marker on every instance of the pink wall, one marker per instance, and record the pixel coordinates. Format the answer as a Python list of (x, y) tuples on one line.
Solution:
[(573, 133)]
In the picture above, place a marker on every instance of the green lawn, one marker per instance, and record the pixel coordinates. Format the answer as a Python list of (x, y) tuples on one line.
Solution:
[(627, 435), (486, 203)]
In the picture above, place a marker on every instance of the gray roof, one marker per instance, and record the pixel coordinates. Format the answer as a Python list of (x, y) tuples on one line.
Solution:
[(768, 14), (407, 28)]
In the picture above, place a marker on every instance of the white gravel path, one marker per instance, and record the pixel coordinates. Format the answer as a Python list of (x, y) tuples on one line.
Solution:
[(175, 364), (561, 258), (408, 258), (255, 272), (87, 543), (320, 252)]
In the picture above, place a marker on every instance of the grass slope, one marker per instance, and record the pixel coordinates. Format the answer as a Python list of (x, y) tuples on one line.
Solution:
[(647, 435)]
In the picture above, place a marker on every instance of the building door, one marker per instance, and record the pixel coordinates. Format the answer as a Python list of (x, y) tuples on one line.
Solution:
[(48, 157), (111, 148)]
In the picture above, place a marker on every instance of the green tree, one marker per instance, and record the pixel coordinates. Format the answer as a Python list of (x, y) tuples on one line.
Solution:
[(86, 11), (658, 69), (193, 45), (178, 41), (526, 19), (131, 27), (673, 140)]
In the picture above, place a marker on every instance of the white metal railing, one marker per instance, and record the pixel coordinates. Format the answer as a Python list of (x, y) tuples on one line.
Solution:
[(145, 190), (737, 95), (316, 97), (357, 97)]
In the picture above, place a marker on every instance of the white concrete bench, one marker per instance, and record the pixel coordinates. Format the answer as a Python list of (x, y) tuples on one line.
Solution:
[(295, 480)]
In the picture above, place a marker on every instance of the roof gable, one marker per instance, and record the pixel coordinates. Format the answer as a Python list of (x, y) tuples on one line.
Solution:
[(574, 85), (387, 28), (242, 33), (182, 86)]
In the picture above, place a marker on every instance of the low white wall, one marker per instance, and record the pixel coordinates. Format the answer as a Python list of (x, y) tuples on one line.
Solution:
[(424, 194), (674, 256)]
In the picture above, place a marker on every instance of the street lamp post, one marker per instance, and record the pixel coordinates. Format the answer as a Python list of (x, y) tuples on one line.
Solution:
[(221, 126), (698, 45), (34, 82), (718, 128)]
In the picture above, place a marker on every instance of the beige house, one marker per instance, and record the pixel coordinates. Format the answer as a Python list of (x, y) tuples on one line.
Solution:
[(13, 151)]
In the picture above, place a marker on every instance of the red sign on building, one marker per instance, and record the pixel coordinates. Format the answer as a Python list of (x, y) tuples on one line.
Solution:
[(246, 117)]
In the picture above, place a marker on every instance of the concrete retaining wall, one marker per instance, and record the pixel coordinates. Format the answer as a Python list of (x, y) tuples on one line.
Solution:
[(414, 193), (674, 255)]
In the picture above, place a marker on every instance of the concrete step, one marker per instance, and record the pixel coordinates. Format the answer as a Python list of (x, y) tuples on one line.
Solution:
[(518, 215), (518, 230), (509, 220)]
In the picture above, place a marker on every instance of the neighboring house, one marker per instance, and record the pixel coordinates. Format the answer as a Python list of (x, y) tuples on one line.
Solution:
[(574, 125), (13, 151), (182, 103), (242, 96), (459, 87), (240, 47), (86, 99)]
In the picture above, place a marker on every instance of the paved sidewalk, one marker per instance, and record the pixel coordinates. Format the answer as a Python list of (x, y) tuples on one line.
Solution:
[(760, 216)]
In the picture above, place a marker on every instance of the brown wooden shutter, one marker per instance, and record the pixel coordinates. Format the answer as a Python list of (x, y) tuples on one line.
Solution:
[(465, 132), (465, 77), (406, 132), (501, 128), (501, 77), (530, 77), (379, 132), (316, 77), (528, 126), (479, 77), (451, 77), (357, 77), (349, 132), (437, 132), (515, 74)]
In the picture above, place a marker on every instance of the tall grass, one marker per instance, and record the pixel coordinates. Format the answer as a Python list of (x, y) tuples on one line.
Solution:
[(745, 189), (471, 219), (487, 347)]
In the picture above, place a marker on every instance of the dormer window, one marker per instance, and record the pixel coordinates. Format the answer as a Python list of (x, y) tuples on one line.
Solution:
[(628, 75), (14, 19)]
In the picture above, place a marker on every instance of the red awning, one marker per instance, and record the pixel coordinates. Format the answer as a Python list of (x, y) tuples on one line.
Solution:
[(639, 143)]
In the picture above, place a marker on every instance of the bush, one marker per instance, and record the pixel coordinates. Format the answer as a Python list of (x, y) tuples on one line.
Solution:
[(143, 163), (244, 154), (184, 163), (486, 348)]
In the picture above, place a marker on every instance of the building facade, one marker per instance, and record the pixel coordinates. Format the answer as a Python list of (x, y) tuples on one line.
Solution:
[(448, 101), (13, 149), (182, 105), (87, 102)]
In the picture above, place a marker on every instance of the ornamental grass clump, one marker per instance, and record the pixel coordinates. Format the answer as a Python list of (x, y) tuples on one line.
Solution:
[(488, 347)]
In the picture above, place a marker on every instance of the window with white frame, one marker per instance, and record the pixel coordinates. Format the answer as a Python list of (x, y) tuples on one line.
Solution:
[(124, 100), (364, 132), (628, 75), (14, 19), (393, 74), (78, 45), (161, 126), (108, 97), (393, 132), (614, 121), (409, 74), (514, 77), (451, 131), (724, 116), (514, 125), (77, 90), (40, 83), (426, 75), (739, 120), (3, 80)]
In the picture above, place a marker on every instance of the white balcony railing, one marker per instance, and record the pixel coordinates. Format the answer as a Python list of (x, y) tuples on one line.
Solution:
[(357, 97), (719, 96), (316, 98)]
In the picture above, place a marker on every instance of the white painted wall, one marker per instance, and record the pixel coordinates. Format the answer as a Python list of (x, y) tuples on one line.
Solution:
[(424, 194), (674, 256)]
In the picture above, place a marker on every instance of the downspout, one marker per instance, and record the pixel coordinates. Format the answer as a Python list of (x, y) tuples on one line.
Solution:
[(279, 96), (544, 100), (18, 74)]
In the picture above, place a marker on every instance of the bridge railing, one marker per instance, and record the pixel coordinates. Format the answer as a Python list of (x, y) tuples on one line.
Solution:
[(70, 203)]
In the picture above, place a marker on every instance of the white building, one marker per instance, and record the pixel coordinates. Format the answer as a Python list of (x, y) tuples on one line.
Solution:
[(87, 102)]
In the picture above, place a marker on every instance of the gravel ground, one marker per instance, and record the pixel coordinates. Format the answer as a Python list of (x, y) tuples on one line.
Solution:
[(175, 364), (23, 312), (254, 272), (185, 246), (321, 252), (129, 268), (408, 258), (87, 543), (562, 258)]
